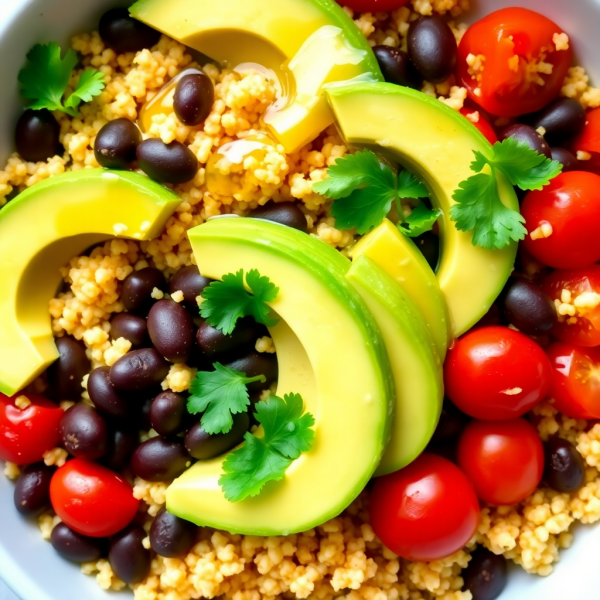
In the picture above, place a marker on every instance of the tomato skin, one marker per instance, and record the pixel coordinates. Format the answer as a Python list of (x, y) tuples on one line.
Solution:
[(506, 92), (503, 459), (426, 511), (586, 330), (26, 434), (485, 368), (373, 6), (482, 124), (589, 139), (92, 499)]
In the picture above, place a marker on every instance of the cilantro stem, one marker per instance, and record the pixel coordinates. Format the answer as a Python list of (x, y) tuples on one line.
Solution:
[(260, 378)]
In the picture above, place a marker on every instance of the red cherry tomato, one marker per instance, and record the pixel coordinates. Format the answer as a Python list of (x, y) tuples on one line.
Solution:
[(426, 511), (91, 499), (576, 290), (481, 123), (589, 139), (373, 6), (26, 434), (575, 380), (496, 373), (503, 459), (512, 40), (570, 204)]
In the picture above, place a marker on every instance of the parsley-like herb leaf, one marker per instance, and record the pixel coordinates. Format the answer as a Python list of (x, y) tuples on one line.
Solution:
[(287, 433), (410, 187), (420, 220), (220, 394)]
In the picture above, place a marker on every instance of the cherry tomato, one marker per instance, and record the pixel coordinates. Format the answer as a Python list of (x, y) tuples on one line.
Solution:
[(570, 206), (512, 41), (589, 139), (91, 499), (503, 459), (496, 373), (373, 6), (25, 434), (576, 290), (426, 511), (481, 123)]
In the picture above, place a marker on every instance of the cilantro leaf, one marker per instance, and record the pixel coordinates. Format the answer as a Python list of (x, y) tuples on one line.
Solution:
[(287, 433), (226, 301), (219, 394), (90, 84), (410, 187), (420, 220)]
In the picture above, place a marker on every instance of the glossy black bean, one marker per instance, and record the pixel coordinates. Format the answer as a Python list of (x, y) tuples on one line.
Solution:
[(429, 245), (76, 547), (36, 135), (167, 163), (123, 33), (171, 536), (193, 98), (432, 48), (562, 119), (83, 432), (567, 159), (202, 445), (257, 363), (132, 328), (189, 281), (564, 469), (32, 491), (486, 575), (121, 445), (127, 556), (105, 397), (168, 414), (158, 459), (527, 135), (67, 371), (171, 330), (139, 370), (116, 144), (214, 342), (527, 307), (285, 213), (452, 422), (138, 287), (396, 67)]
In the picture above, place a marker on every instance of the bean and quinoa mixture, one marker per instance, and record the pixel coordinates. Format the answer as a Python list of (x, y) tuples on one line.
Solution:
[(343, 557)]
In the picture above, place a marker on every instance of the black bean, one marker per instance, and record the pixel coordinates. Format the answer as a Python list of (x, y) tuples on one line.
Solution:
[(189, 281), (121, 445), (132, 328), (452, 422), (564, 467), (123, 33), (83, 432), (432, 48), (486, 574), (567, 159), (202, 445), (76, 547), (171, 536), (562, 119), (171, 330), (158, 459), (139, 370), (257, 363), (36, 135), (285, 213), (116, 144), (527, 307), (429, 245), (193, 99), (105, 397), (214, 342), (167, 163), (168, 414), (67, 371), (32, 491), (527, 135), (144, 414), (138, 287), (396, 67), (127, 556)]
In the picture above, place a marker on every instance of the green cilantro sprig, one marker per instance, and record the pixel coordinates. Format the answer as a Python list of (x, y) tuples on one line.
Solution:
[(224, 302), (287, 434), (363, 190), (478, 206), (45, 78)]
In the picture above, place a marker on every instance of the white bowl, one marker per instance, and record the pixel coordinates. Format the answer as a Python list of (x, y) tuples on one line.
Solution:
[(27, 563)]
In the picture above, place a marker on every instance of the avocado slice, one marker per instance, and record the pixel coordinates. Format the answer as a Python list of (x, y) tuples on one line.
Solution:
[(401, 259), (304, 43), (330, 351), (40, 230), (415, 362), (436, 143)]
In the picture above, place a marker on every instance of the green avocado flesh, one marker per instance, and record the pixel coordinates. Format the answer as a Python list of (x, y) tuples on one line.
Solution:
[(436, 143), (330, 351), (44, 227), (414, 359)]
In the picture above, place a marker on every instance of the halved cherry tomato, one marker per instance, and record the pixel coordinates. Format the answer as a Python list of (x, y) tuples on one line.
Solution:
[(426, 511), (373, 5), (503, 459), (92, 499), (481, 123), (578, 291), (25, 434), (512, 41), (496, 373)]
